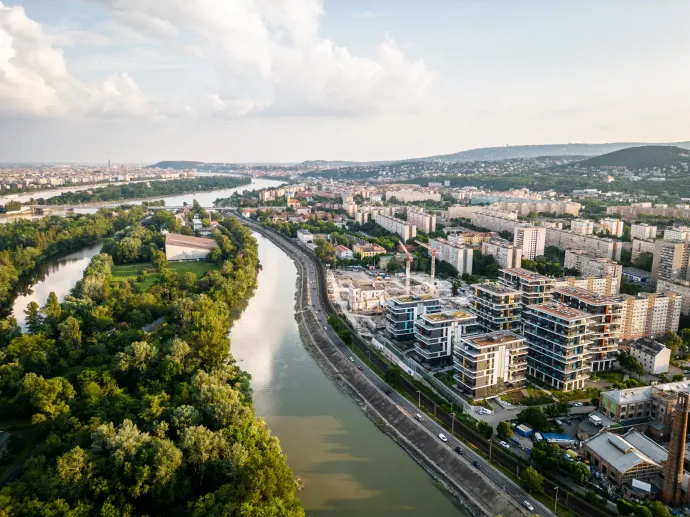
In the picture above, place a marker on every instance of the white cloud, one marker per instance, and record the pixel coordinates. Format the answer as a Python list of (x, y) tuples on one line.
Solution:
[(365, 14)]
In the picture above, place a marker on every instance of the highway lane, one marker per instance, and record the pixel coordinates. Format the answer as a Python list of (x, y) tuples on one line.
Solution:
[(317, 311)]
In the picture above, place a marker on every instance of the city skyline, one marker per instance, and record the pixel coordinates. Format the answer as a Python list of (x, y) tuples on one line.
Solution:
[(368, 80)]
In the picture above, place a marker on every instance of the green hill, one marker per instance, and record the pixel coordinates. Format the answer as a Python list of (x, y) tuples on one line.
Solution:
[(648, 156), (177, 165)]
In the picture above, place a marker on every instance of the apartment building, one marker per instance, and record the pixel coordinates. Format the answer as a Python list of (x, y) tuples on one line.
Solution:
[(653, 356), (633, 212), (604, 286), (423, 220), (642, 231), (558, 337), (366, 296), (679, 233), (611, 226), (362, 216), (530, 240), (495, 220), (365, 249), (457, 255), (582, 226), (485, 365), (470, 238), (436, 334), (524, 208), (496, 306), (680, 287), (350, 207), (640, 246), (403, 311), (605, 326), (591, 265), (408, 196), (565, 239), (343, 252), (464, 211), (534, 288), (649, 314), (671, 260), (505, 253), (394, 225)]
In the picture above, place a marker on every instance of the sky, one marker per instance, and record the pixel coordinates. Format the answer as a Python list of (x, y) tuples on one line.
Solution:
[(138, 81)]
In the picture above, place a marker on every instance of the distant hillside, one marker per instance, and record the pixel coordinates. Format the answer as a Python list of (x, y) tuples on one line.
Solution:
[(177, 165), (326, 163), (535, 151), (648, 156)]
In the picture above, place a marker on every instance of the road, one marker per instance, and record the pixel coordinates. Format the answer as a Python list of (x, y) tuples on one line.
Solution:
[(317, 309)]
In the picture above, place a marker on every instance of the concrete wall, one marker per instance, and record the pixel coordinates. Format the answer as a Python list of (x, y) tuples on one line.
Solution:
[(174, 253)]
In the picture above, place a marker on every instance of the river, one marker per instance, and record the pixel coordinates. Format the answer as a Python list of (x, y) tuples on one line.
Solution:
[(350, 467), (58, 274)]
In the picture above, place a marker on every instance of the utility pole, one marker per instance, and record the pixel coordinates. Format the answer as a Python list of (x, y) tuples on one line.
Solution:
[(555, 503), (452, 426), (490, 444), (419, 399)]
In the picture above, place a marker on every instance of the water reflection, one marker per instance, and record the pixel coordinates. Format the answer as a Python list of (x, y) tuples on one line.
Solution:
[(350, 467)]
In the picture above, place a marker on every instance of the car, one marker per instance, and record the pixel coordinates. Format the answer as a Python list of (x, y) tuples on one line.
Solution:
[(359, 367), (528, 505), (442, 437), (352, 359), (325, 327), (505, 445), (578, 404), (388, 392), (559, 422), (419, 417), (459, 450), (477, 464)]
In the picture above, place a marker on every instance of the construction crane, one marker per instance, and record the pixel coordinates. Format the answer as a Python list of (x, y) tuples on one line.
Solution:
[(433, 261), (408, 261)]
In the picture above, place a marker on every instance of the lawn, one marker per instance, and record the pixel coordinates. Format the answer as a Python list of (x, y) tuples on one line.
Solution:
[(124, 271)]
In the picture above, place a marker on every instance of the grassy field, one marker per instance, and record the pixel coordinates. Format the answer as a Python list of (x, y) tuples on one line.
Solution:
[(124, 271)]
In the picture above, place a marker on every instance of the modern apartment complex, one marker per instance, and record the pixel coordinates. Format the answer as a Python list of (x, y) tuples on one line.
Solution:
[(642, 231), (558, 337), (565, 239), (487, 364), (534, 288), (582, 226), (496, 306), (530, 240), (423, 220), (457, 255), (495, 220), (591, 265), (604, 328), (505, 253), (403, 311), (394, 225), (671, 260), (436, 333)]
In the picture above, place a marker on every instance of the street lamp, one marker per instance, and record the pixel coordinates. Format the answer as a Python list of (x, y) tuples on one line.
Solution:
[(555, 503), (452, 426), (419, 399)]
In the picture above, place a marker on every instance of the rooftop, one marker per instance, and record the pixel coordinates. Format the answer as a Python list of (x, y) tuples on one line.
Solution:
[(176, 239), (414, 298), (585, 295), (499, 337), (495, 288), (648, 346), (448, 316), (525, 274), (561, 311), (626, 451)]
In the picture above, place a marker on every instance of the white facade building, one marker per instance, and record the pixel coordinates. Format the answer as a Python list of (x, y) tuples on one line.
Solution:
[(185, 247), (423, 220), (611, 226), (495, 220), (457, 255), (506, 254), (642, 231), (653, 356), (366, 296), (582, 226), (395, 225), (592, 265), (530, 239), (305, 236), (565, 239), (408, 196)]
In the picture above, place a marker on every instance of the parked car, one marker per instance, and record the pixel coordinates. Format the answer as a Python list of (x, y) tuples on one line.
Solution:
[(578, 404), (505, 445), (528, 505), (442, 437)]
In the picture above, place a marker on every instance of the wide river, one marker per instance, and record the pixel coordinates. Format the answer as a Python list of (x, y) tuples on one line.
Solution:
[(350, 467)]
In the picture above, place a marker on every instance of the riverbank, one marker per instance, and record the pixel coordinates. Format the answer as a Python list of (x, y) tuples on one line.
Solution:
[(454, 474)]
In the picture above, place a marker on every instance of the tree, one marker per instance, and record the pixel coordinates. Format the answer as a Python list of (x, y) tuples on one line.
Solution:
[(624, 507), (504, 430), (393, 375), (644, 261), (629, 363), (70, 333), (485, 429), (642, 511), (579, 471), (534, 417), (49, 397), (52, 310), (659, 509), (673, 342), (393, 266), (159, 260), (532, 481), (34, 320)]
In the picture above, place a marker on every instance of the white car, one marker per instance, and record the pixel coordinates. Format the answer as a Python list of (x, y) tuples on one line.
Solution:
[(442, 437), (528, 505), (578, 404), (559, 422), (352, 359), (505, 445)]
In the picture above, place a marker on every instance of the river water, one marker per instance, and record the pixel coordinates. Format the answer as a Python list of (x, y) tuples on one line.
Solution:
[(350, 467)]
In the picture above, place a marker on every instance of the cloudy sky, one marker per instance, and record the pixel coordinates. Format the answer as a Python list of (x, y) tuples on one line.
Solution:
[(287, 80)]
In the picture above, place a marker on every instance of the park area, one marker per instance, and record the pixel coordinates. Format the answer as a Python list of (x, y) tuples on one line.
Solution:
[(150, 277)]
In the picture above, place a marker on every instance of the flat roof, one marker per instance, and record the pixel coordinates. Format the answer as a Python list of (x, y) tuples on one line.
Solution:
[(496, 288), (177, 239), (525, 274), (561, 311), (415, 298), (499, 337), (448, 316), (585, 295)]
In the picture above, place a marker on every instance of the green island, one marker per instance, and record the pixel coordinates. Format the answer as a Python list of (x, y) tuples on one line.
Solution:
[(124, 400), (145, 189)]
